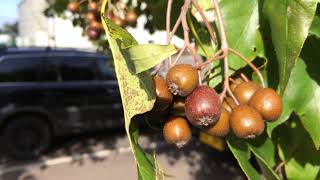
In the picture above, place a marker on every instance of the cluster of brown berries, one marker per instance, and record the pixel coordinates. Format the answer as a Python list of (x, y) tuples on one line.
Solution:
[(200, 106), (92, 16)]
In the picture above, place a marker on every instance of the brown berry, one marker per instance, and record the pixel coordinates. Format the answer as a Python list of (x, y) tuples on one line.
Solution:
[(231, 102), (131, 17), (90, 16), (226, 106), (164, 96), (177, 131), (235, 84), (244, 91), (268, 103), (93, 6), (96, 25), (182, 79), (93, 34), (178, 106), (246, 122), (118, 21), (222, 127), (73, 7), (203, 106)]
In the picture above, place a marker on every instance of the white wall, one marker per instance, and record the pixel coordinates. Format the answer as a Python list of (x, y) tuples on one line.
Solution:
[(35, 29)]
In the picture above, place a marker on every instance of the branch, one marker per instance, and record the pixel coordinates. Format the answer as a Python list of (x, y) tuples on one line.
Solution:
[(206, 22), (250, 64)]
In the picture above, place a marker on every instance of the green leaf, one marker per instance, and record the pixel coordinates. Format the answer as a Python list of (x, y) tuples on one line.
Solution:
[(242, 153), (315, 27), (202, 37), (302, 94), (302, 160), (264, 150), (241, 19), (146, 56), (289, 21), (134, 89)]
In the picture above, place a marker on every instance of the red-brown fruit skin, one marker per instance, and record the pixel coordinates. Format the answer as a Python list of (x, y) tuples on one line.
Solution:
[(90, 16), (73, 7), (203, 106), (246, 122), (93, 34), (182, 79), (244, 91), (268, 103), (164, 97), (177, 131), (131, 17), (92, 6), (222, 127)]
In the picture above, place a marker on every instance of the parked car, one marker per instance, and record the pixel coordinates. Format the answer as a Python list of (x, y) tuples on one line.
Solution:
[(52, 92)]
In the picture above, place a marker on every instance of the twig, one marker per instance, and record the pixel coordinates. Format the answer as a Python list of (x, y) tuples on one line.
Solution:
[(209, 61), (250, 64), (278, 168), (175, 27), (179, 55), (169, 7), (244, 77), (206, 22), (224, 48)]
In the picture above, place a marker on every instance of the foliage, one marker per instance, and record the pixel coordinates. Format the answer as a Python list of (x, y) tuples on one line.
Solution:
[(281, 37)]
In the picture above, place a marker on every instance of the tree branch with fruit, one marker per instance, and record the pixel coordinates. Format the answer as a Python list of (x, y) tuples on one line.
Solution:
[(259, 56)]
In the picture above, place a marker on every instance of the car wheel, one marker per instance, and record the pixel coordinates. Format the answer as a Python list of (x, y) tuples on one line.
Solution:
[(27, 137)]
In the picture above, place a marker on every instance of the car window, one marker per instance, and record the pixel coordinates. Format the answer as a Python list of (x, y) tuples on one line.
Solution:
[(20, 69), (106, 72), (70, 69)]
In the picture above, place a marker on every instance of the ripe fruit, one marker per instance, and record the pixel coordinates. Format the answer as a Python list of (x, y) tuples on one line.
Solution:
[(131, 17), (226, 106), (93, 34), (268, 103), (203, 106), (244, 91), (235, 84), (177, 131), (73, 7), (231, 102), (164, 96), (90, 16), (92, 6), (178, 106), (118, 21), (222, 127), (246, 122), (182, 79), (96, 25)]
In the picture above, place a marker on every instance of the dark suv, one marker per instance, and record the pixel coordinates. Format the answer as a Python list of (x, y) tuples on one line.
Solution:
[(51, 92)]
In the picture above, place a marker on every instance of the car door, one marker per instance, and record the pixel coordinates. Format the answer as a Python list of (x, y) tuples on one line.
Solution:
[(68, 79), (104, 98)]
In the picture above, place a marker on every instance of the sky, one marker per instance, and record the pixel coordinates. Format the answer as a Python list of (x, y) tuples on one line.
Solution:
[(8, 11)]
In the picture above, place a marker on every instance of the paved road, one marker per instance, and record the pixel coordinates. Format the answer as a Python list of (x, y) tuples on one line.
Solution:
[(107, 155)]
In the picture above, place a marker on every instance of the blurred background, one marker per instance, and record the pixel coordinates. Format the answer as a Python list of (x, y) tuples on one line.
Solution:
[(61, 115)]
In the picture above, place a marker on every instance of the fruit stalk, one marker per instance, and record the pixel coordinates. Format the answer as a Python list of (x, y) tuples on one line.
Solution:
[(168, 27), (206, 22), (250, 64)]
